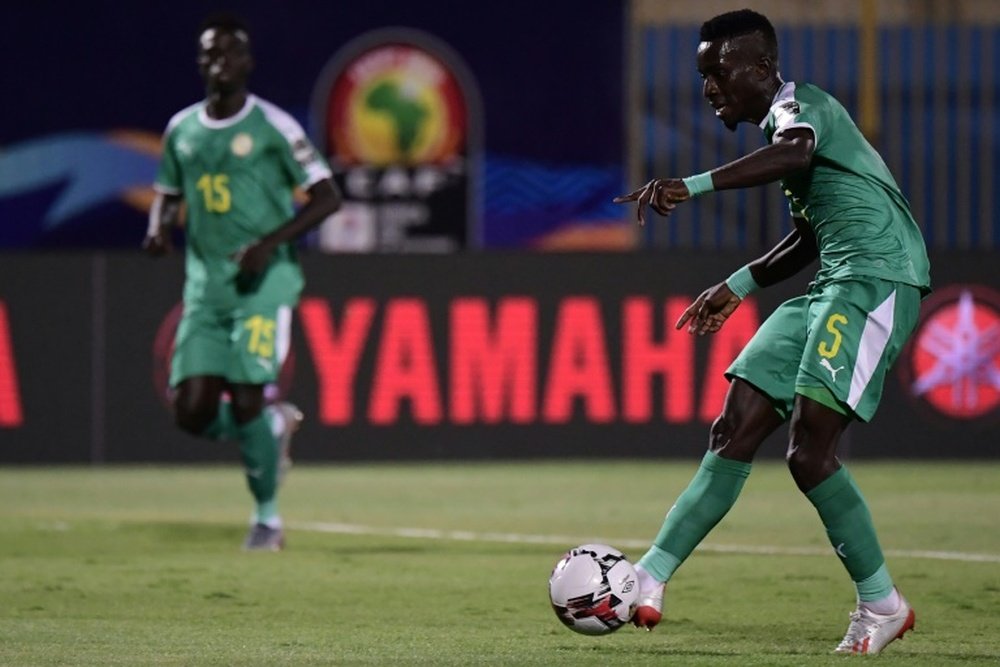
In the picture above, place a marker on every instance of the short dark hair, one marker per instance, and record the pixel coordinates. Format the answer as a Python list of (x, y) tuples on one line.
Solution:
[(227, 21), (740, 22)]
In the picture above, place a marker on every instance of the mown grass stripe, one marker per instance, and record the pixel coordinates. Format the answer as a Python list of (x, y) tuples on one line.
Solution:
[(518, 538)]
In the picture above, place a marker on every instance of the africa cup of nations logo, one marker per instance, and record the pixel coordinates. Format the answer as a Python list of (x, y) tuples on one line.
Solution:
[(398, 115), (954, 356), (396, 104)]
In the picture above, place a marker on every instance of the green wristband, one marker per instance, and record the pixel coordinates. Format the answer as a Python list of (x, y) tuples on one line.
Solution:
[(741, 283), (699, 184)]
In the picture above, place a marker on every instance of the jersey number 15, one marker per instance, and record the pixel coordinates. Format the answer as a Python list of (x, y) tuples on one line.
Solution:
[(215, 189)]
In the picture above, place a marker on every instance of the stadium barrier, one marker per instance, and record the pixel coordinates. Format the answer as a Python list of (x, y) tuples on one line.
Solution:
[(470, 356)]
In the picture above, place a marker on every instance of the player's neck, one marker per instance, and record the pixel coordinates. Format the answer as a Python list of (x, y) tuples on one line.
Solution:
[(219, 105), (767, 98), (773, 89)]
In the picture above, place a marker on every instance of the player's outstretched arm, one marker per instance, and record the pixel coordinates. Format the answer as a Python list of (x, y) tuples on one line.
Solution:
[(324, 200), (164, 215), (791, 151)]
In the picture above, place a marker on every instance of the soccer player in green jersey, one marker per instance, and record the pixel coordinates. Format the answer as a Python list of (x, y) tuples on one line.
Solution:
[(820, 359), (234, 161)]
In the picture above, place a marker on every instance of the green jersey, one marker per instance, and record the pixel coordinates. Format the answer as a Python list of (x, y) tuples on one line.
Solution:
[(237, 176), (861, 220)]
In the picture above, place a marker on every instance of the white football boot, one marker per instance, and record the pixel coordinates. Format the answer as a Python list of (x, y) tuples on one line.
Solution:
[(649, 611), (292, 418), (869, 632)]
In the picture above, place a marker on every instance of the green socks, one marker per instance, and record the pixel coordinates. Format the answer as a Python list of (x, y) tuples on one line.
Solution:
[(714, 489), (223, 427), (709, 496), (852, 534), (259, 450)]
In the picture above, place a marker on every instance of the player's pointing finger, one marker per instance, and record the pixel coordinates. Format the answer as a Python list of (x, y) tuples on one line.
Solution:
[(632, 196)]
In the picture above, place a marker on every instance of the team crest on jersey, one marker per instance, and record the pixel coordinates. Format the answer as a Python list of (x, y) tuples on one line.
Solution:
[(241, 145), (953, 361)]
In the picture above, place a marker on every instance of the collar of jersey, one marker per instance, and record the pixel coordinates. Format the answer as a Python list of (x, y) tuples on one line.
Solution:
[(786, 92), (219, 123)]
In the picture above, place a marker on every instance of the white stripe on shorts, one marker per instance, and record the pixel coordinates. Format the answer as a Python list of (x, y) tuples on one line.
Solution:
[(283, 335), (878, 328)]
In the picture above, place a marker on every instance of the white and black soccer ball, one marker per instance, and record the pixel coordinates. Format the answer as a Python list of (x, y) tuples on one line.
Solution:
[(594, 589)]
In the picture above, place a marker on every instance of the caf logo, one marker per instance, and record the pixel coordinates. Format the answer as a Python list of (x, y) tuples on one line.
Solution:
[(395, 103), (953, 361)]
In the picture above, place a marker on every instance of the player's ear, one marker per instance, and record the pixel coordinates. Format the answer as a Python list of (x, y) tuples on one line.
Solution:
[(764, 67)]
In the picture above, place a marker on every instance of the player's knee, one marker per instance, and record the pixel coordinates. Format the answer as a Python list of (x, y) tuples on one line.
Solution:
[(721, 433), (193, 416), (246, 406), (811, 453), (797, 457), (729, 437)]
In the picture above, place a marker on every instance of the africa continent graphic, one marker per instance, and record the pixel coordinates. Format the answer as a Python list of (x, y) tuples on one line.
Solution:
[(407, 114)]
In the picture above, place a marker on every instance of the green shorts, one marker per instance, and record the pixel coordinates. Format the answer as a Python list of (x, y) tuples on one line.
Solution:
[(245, 345), (834, 345)]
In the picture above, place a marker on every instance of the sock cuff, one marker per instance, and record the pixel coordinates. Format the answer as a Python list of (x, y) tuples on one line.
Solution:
[(659, 563), (875, 587), (715, 463), (830, 486)]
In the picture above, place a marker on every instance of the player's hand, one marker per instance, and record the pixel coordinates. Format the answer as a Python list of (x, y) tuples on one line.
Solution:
[(662, 195), (710, 310), (159, 244), (253, 258)]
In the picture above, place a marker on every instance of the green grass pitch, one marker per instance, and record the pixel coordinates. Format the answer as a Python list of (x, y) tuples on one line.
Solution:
[(447, 564)]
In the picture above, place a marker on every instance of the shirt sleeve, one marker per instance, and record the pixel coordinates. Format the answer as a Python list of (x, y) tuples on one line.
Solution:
[(788, 114), (303, 162), (300, 160)]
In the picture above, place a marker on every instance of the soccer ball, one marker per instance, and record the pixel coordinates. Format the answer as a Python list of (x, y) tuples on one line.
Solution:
[(594, 589)]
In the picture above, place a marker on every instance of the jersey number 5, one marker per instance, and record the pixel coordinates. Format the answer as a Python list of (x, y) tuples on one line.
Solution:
[(831, 325), (215, 189)]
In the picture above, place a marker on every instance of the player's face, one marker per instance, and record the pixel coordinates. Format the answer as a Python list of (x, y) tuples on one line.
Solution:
[(731, 80), (224, 60)]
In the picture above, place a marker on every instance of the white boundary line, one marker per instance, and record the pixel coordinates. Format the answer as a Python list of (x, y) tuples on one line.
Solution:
[(568, 541)]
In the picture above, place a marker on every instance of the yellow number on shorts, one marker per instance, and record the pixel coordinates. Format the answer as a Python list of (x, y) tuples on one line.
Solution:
[(261, 336), (831, 351), (215, 189)]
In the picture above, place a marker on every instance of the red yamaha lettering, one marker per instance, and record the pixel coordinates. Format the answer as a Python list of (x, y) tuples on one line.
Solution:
[(383, 368), (405, 367), (493, 367), (11, 414), (336, 356), (579, 367), (671, 358)]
